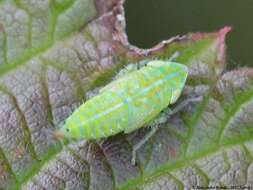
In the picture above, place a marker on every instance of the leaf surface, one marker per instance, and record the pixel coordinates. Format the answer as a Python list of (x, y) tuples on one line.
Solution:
[(53, 52)]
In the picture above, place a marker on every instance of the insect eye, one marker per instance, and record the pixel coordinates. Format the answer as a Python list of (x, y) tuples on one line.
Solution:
[(67, 129)]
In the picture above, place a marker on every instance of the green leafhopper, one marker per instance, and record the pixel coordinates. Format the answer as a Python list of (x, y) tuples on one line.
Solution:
[(127, 103)]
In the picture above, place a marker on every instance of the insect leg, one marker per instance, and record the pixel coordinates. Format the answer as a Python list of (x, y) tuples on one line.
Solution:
[(142, 142), (181, 105), (130, 68), (90, 94), (162, 118)]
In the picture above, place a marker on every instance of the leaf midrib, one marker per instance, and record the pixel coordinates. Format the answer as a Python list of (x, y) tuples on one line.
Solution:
[(244, 99)]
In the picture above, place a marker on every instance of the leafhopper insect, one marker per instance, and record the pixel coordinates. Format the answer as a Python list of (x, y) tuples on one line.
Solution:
[(128, 103)]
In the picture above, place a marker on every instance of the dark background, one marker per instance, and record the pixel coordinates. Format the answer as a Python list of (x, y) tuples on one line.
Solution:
[(150, 21)]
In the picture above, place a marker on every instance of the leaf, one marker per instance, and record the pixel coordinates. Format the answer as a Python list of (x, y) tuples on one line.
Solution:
[(218, 148), (53, 52)]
